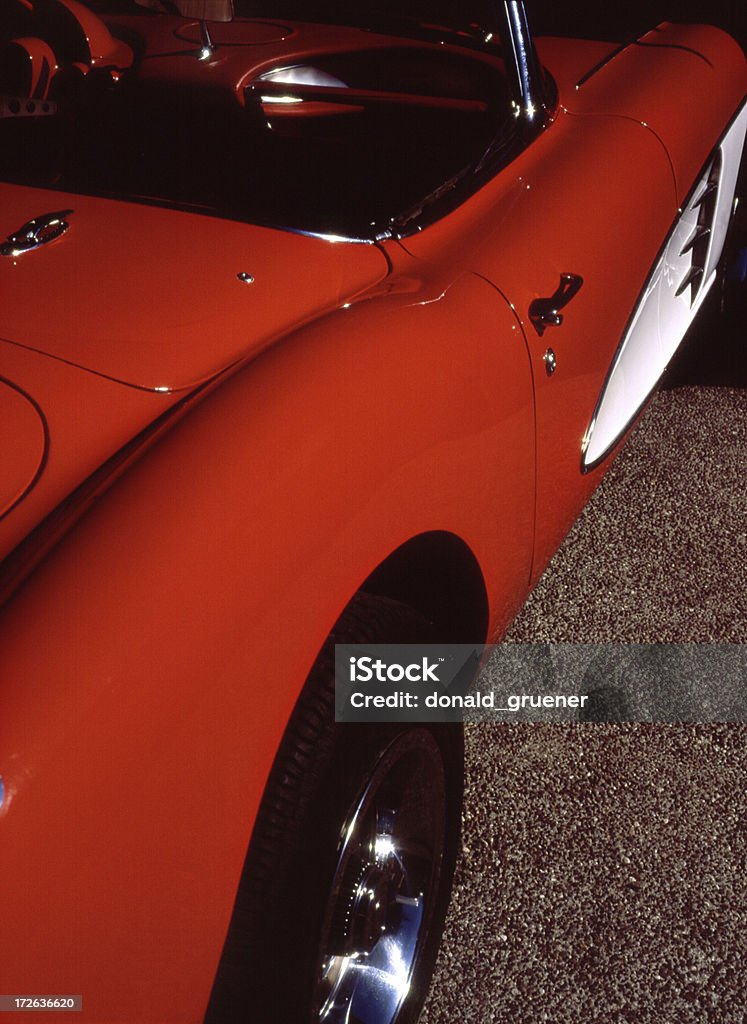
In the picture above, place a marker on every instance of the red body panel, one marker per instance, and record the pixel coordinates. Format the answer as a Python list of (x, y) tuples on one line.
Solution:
[(134, 295), (679, 78), (25, 424), (537, 214), (86, 419), (149, 664), (96, 757)]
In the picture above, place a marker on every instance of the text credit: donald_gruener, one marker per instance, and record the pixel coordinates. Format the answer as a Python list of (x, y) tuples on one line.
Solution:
[(516, 682), (437, 683)]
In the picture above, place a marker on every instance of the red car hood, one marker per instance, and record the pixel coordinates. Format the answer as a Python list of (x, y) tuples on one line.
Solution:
[(152, 297)]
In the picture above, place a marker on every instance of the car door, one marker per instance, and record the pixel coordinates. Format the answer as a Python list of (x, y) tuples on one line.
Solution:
[(592, 198), (597, 203)]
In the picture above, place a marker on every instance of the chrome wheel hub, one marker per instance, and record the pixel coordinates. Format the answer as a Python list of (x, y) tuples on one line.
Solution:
[(387, 870), (371, 911)]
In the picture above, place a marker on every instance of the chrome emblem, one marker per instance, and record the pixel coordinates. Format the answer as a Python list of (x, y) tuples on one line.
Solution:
[(35, 233)]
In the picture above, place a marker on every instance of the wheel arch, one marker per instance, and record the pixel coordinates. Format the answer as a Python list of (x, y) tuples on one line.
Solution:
[(437, 574)]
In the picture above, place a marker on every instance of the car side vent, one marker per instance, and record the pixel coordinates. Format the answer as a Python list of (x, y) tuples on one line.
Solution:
[(676, 288), (703, 207)]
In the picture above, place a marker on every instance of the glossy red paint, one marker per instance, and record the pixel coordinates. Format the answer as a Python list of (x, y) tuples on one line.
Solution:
[(175, 272), (706, 64), (25, 424), (538, 202), (351, 398), (321, 517), (86, 420)]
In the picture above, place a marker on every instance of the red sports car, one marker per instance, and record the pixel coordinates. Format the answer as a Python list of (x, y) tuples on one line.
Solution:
[(319, 322)]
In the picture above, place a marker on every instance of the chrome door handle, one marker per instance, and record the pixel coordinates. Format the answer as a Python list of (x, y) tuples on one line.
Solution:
[(546, 312)]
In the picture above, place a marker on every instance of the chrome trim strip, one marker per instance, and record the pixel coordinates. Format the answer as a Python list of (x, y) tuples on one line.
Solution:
[(701, 232), (381, 237), (533, 105), (694, 274), (637, 41), (529, 80), (710, 188), (604, 62)]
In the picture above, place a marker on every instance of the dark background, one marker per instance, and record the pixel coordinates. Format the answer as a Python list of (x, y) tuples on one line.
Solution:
[(594, 20)]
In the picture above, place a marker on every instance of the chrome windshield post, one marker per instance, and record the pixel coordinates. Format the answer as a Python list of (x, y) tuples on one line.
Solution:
[(529, 85)]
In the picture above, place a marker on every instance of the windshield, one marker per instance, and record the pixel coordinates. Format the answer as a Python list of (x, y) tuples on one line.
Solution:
[(304, 125)]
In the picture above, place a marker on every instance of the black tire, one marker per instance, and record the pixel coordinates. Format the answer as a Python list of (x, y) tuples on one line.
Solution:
[(353, 852)]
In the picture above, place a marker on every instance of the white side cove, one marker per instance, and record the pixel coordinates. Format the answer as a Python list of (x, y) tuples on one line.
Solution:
[(671, 299)]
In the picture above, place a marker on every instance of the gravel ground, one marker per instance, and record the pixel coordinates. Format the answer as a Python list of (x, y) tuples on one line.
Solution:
[(603, 878), (604, 871), (660, 553)]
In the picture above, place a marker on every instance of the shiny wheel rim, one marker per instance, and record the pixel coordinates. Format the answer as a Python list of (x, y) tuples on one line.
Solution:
[(382, 892)]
